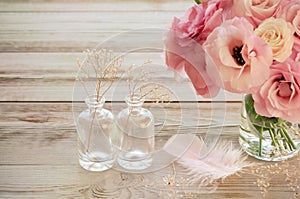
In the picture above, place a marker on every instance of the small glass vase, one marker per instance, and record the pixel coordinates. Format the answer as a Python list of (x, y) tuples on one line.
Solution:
[(136, 126), (269, 139), (95, 126)]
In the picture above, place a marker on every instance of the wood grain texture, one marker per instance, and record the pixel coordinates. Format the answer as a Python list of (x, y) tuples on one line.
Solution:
[(51, 77), (39, 44), (39, 157), (73, 26), (48, 126)]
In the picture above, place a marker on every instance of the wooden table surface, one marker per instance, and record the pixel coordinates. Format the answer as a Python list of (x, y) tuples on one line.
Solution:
[(39, 44)]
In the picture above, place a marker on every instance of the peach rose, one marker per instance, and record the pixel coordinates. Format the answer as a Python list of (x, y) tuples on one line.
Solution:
[(296, 49), (255, 11), (290, 11), (279, 35), (242, 59), (279, 96)]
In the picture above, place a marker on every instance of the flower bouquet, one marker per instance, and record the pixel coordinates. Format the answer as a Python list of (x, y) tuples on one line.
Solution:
[(248, 47)]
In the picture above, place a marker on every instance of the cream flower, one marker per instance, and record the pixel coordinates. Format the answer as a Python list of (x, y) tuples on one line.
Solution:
[(278, 34)]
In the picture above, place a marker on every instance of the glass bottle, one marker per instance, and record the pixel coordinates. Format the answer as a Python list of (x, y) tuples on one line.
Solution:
[(269, 139), (95, 126), (136, 126)]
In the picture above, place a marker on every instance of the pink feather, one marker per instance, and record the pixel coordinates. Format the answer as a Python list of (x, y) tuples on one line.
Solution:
[(204, 164)]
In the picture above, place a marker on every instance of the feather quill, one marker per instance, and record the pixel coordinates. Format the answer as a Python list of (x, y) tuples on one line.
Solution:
[(204, 163)]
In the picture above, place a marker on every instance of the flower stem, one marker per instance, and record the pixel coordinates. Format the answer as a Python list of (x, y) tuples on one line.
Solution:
[(285, 143), (272, 137), (91, 131), (275, 137), (260, 140), (288, 138)]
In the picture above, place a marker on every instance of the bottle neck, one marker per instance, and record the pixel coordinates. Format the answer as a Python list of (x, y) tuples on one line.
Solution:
[(95, 103), (134, 103)]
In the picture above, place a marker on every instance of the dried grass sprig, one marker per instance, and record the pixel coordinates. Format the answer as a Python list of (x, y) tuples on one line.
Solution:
[(267, 173), (134, 80), (138, 86), (155, 92), (105, 68), (102, 65)]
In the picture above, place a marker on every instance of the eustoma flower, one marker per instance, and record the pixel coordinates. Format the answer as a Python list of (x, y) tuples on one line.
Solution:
[(194, 65), (183, 45), (197, 23), (250, 47), (242, 58), (279, 96)]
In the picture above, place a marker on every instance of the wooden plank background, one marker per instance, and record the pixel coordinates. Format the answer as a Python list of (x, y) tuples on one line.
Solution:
[(39, 44)]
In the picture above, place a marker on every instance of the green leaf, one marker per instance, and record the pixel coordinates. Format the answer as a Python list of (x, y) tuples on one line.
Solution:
[(198, 1), (276, 127), (255, 118)]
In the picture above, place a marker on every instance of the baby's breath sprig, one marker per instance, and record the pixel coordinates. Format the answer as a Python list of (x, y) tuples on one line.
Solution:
[(134, 80), (287, 170), (155, 92), (102, 65), (139, 85)]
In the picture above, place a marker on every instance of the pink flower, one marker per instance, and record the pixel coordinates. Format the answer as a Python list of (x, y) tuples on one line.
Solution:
[(242, 59), (255, 11), (279, 96), (183, 49), (296, 49), (188, 27), (197, 23), (290, 11), (203, 87), (193, 63), (215, 13)]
